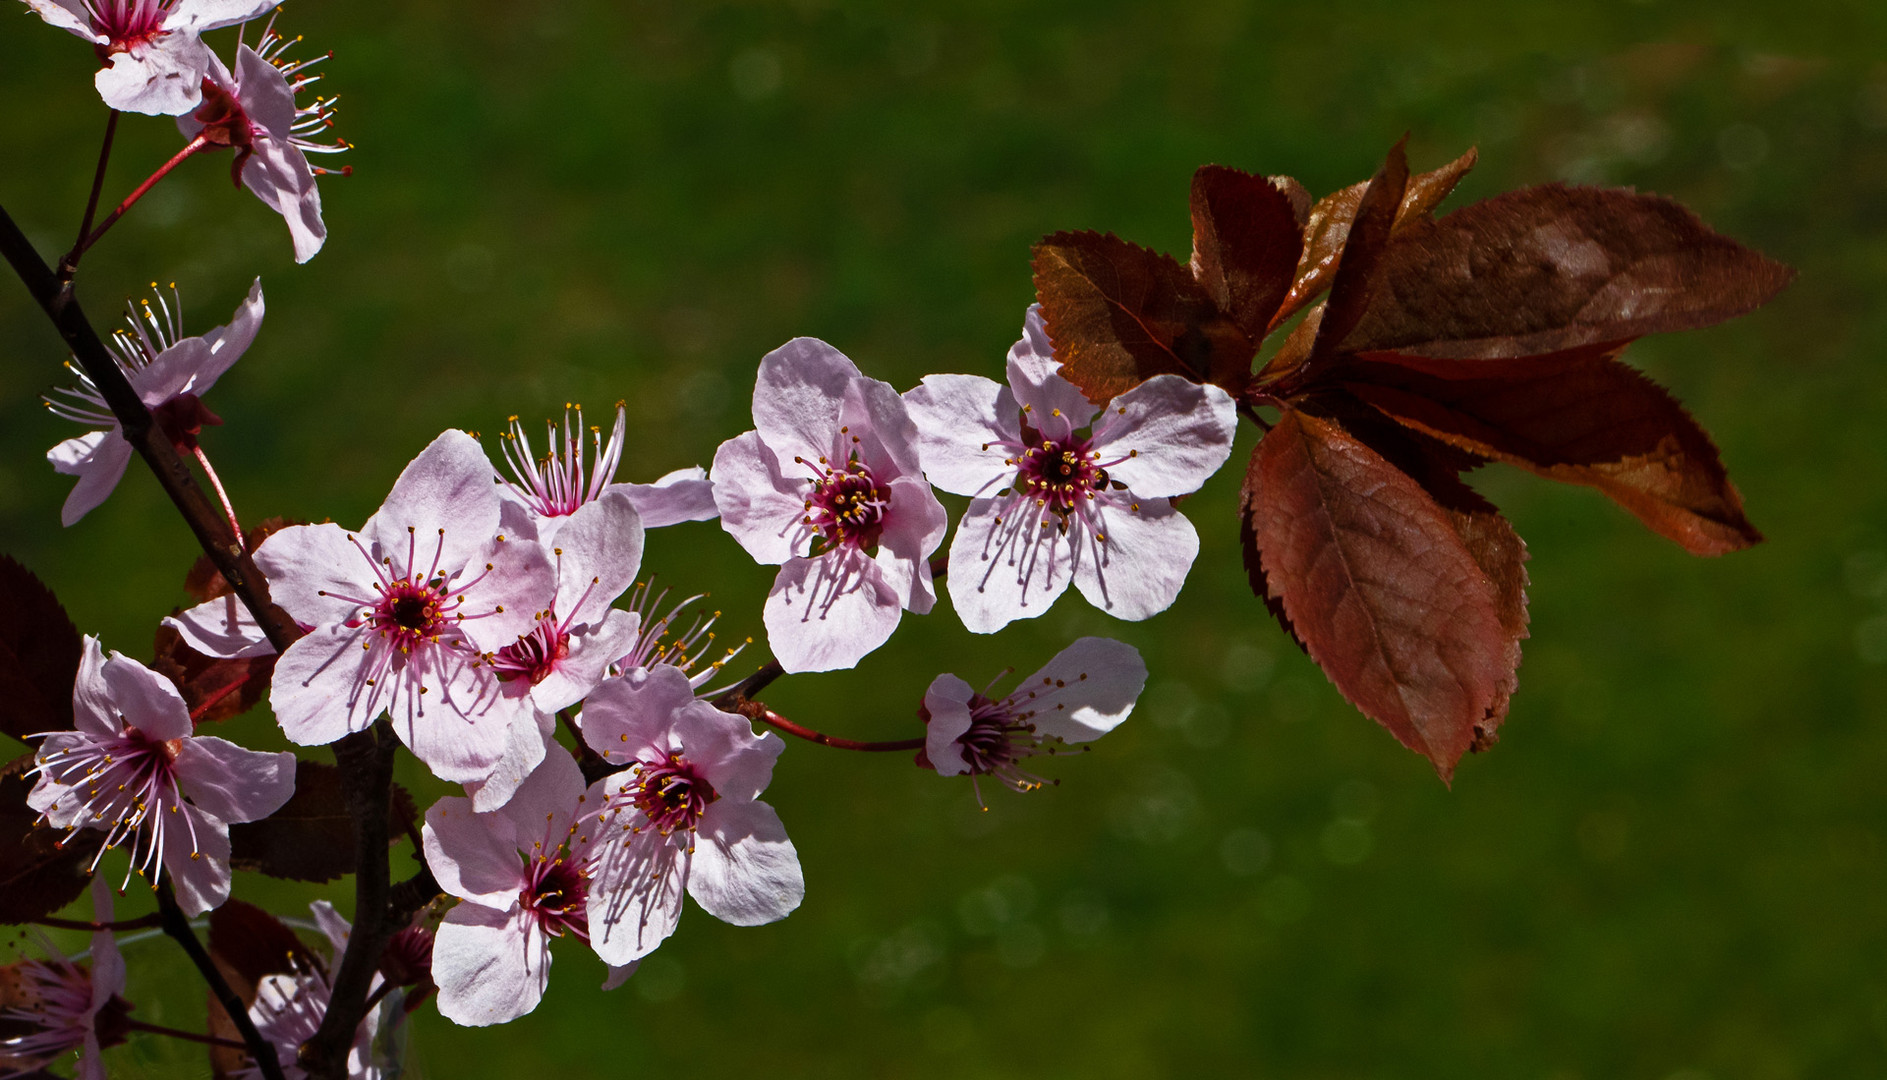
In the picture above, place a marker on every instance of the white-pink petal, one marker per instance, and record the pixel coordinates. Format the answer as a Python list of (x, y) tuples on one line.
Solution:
[(491, 966), (473, 856), (948, 703), (682, 495), (826, 614), (1007, 568), (798, 395), (442, 509), (759, 506), (316, 572), (962, 422), (1137, 573), (221, 627), (1174, 434), (196, 857), (1085, 691), (146, 700), (746, 872), (1034, 374), (231, 782), (98, 459)]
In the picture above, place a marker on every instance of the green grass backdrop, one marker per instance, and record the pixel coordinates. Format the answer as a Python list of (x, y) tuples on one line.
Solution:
[(1672, 865)]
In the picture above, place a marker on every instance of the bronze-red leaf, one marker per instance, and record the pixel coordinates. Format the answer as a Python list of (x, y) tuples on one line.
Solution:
[(39, 655), (1579, 416), (1550, 268), (1379, 586), (214, 689), (311, 838), (1120, 314), (1363, 251), (1327, 226), (1245, 244), (248, 944), (42, 869)]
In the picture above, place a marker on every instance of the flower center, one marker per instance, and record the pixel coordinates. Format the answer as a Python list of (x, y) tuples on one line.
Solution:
[(535, 655), (1059, 473), (409, 613), (847, 506), (557, 894), (999, 739), (128, 23), (671, 795)]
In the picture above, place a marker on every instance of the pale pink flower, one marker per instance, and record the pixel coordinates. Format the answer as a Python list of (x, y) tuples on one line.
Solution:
[(253, 111), (290, 1006), (134, 769), (522, 876), (152, 50), (685, 816), (828, 485), (542, 494), (1080, 695), (404, 613), (170, 373), (1065, 492), (58, 1006)]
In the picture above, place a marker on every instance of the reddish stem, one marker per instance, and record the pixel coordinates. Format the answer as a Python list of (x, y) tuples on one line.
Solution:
[(216, 482), (207, 1040), (201, 142), (210, 702), (754, 710)]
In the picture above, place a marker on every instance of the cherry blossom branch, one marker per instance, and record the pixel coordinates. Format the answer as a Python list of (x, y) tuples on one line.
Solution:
[(742, 691), (141, 430), (366, 761), (201, 142), (757, 711), (177, 925), (207, 1040), (70, 264)]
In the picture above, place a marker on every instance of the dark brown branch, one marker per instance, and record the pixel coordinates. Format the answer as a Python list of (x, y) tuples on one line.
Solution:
[(175, 1033), (745, 689), (142, 432), (140, 923), (366, 761), (177, 925)]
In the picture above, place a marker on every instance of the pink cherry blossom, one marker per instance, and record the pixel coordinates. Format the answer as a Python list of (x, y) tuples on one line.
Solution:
[(134, 769), (289, 1008), (58, 1006), (1080, 695), (253, 111), (170, 373), (828, 487), (521, 874), (1065, 492), (152, 50), (404, 613), (685, 816), (546, 492)]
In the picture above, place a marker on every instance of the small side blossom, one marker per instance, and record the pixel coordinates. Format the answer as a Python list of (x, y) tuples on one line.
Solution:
[(289, 1008), (405, 613), (1080, 695), (170, 373), (1064, 492), (134, 769), (522, 876), (253, 111), (543, 494), (152, 50), (53, 1007), (684, 817), (828, 487)]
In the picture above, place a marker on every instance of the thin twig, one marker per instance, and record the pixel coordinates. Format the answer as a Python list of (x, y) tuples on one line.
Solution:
[(70, 264), (207, 1040), (201, 142), (745, 689), (177, 925), (216, 482), (139, 923)]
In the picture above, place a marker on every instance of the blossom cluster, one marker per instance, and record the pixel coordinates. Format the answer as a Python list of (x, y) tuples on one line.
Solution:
[(493, 616)]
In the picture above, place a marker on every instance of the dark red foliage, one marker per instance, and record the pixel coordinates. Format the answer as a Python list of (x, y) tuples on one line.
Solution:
[(1490, 334), (311, 838), (39, 655)]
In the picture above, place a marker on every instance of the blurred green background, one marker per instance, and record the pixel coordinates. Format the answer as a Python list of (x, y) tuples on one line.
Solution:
[(1672, 865)]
